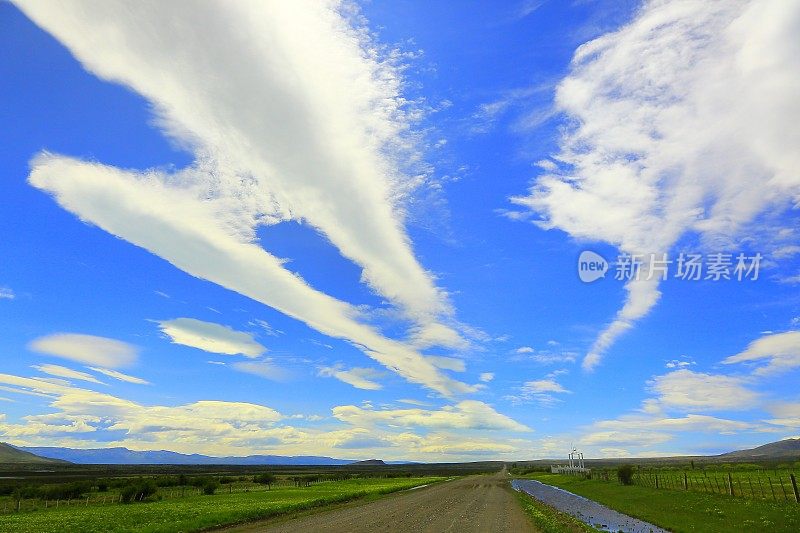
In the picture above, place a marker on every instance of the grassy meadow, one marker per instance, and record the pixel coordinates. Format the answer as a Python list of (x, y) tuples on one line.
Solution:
[(189, 508), (682, 510)]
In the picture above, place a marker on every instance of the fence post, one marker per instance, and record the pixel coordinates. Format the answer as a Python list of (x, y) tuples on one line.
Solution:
[(794, 486), (730, 484), (656, 480), (780, 480), (772, 489), (685, 482)]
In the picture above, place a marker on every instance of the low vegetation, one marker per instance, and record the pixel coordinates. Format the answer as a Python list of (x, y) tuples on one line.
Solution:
[(547, 519), (682, 510), (149, 511)]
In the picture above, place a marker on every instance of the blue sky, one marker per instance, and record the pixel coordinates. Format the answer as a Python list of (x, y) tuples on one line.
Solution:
[(353, 229)]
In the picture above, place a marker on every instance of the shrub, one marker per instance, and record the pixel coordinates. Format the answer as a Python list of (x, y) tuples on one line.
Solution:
[(625, 474), (66, 491), (210, 486), (265, 479), (138, 490)]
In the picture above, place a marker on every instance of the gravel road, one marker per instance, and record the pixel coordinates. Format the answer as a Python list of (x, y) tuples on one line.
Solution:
[(589, 511), (471, 504)]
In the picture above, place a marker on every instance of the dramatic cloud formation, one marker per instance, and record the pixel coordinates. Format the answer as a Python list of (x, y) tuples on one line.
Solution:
[(683, 121), (239, 428), (781, 352), (360, 378), (211, 337), (336, 161), (87, 349)]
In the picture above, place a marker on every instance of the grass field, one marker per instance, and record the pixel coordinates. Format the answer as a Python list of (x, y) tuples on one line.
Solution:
[(762, 484), (192, 513), (679, 510), (550, 520)]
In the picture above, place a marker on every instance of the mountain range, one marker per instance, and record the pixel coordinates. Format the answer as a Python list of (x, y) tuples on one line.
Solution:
[(784, 449), (10, 454), (124, 456)]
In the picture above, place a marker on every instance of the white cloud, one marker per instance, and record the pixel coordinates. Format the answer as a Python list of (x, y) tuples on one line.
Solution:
[(647, 431), (87, 349), (524, 349), (410, 401), (68, 373), (447, 363), (780, 352), (333, 163), (468, 414), (543, 385), (684, 389), (238, 428), (486, 377), (679, 363), (7, 293), (541, 391), (266, 326), (341, 113), (683, 121), (263, 369), (360, 378), (786, 414), (211, 337), (119, 375)]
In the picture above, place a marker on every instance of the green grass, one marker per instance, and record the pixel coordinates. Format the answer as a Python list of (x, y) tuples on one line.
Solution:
[(681, 510), (192, 513), (550, 520), (772, 485)]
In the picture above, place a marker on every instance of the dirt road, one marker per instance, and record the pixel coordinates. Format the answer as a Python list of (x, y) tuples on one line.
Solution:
[(476, 503)]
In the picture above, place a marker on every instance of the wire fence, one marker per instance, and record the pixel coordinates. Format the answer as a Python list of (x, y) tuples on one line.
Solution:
[(776, 486)]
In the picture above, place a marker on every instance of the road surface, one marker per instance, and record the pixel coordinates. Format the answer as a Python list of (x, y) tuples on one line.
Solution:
[(472, 504)]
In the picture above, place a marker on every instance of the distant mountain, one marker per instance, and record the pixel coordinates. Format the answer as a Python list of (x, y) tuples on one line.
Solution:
[(124, 456), (10, 454), (368, 462), (783, 449)]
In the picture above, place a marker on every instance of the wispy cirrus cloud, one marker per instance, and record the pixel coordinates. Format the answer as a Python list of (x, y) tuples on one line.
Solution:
[(336, 163), (68, 373), (360, 378), (467, 414), (681, 122), (119, 375), (262, 369)]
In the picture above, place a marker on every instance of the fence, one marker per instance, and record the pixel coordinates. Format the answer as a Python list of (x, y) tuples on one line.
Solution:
[(757, 485)]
